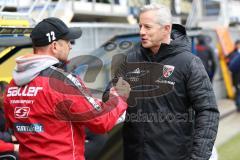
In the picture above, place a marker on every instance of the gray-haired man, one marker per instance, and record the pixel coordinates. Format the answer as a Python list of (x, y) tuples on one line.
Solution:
[(172, 113)]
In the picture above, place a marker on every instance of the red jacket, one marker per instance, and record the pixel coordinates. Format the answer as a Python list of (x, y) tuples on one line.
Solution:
[(49, 113)]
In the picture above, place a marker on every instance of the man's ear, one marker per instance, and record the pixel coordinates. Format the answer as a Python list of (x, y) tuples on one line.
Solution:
[(54, 47), (168, 28)]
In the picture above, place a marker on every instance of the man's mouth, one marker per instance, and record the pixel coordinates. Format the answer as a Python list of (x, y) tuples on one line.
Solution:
[(144, 40)]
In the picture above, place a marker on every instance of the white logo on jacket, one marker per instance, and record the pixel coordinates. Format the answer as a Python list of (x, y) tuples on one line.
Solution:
[(23, 91), (21, 112), (136, 74)]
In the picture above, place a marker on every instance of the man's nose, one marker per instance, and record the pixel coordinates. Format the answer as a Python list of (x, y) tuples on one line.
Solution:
[(142, 31)]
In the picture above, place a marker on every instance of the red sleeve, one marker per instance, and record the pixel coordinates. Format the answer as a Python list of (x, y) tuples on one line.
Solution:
[(6, 147), (80, 107), (112, 110)]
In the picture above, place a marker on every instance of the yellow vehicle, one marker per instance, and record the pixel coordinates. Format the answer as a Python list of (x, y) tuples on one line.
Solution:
[(13, 43)]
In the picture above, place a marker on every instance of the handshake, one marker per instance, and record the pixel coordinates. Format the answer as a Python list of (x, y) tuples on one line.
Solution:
[(121, 89)]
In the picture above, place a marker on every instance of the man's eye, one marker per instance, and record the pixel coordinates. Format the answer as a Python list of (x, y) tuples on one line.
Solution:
[(147, 27)]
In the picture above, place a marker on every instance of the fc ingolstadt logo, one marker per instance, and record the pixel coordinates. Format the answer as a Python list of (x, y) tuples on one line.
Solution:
[(167, 70)]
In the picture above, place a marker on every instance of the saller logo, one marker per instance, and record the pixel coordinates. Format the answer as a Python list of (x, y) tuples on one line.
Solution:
[(167, 70), (23, 91), (21, 112)]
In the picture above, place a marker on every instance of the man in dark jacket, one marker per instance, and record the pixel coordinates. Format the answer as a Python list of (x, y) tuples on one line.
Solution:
[(206, 54), (172, 113), (234, 66)]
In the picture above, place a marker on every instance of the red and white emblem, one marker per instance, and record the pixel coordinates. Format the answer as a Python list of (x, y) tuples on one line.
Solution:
[(21, 112), (167, 70)]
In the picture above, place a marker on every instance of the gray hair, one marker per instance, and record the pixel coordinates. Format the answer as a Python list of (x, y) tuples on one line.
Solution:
[(163, 15)]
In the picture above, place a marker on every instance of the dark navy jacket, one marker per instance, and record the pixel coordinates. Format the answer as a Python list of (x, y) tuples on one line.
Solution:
[(172, 113)]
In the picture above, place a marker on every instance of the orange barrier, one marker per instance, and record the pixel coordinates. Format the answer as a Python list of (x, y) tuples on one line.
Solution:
[(226, 45), (225, 40)]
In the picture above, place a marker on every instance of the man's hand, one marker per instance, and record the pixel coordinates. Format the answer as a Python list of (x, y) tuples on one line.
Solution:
[(122, 88), (16, 147), (14, 139)]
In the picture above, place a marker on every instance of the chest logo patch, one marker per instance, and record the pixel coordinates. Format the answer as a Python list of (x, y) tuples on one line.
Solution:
[(167, 70), (21, 112)]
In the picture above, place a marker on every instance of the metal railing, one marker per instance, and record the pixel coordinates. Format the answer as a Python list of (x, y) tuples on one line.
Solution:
[(36, 10), (33, 10), (193, 15)]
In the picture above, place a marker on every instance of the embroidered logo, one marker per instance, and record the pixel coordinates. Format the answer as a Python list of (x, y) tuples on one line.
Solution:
[(167, 70), (135, 75), (136, 71), (21, 112)]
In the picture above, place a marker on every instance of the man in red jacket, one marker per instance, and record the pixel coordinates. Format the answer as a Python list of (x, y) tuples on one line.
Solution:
[(48, 108)]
